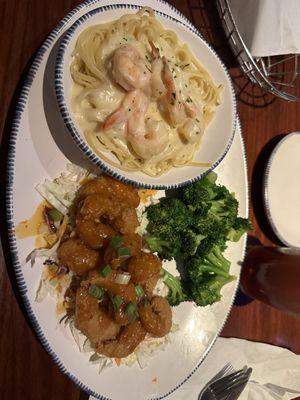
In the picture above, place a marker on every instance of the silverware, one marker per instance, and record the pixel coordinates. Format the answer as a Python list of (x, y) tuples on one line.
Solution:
[(222, 388), (226, 370), (236, 394)]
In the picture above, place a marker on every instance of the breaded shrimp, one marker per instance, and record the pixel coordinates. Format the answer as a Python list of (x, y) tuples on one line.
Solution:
[(156, 317)]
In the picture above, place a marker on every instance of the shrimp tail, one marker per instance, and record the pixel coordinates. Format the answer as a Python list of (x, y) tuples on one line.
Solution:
[(155, 51), (114, 119), (168, 77)]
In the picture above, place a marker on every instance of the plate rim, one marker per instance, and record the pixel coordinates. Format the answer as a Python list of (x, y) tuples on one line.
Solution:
[(69, 121), (266, 185), (10, 173)]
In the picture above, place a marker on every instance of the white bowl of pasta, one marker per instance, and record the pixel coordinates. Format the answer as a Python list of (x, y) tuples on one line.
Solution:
[(137, 100)]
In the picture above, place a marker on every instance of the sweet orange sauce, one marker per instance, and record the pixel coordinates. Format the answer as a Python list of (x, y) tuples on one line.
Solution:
[(33, 226), (145, 194)]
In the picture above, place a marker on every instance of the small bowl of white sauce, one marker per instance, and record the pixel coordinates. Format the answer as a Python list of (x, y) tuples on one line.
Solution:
[(282, 190)]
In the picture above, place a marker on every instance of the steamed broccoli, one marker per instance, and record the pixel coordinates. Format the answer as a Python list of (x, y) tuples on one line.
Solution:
[(208, 291), (168, 248), (213, 262), (171, 212), (239, 227), (176, 293), (168, 219), (190, 242), (207, 276), (198, 195), (195, 227)]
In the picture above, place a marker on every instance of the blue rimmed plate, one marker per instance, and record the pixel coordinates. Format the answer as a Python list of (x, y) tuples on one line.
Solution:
[(218, 135), (39, 133)]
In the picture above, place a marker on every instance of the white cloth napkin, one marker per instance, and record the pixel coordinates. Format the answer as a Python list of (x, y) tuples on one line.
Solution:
[(268, 27), (275, 375)]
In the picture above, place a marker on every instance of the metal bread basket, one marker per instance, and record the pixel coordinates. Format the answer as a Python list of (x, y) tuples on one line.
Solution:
[(277, 75)]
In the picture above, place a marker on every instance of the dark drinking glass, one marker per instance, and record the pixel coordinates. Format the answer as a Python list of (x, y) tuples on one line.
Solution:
[(272, 275)]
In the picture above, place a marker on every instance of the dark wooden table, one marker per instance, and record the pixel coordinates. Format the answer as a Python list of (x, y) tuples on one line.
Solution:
[(26, 370)]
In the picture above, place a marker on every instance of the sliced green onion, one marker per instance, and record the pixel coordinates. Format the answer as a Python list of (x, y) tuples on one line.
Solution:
[(96, 291), (116, 301), (94, 357), (123, 251), (139, 290), (55, 214), (123, 278), (116, 242), (105, 271), (132, 312), (144, 302)]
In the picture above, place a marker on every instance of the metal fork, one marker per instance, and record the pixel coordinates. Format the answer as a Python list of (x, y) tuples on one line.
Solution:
[(220, 389), (226, 370)]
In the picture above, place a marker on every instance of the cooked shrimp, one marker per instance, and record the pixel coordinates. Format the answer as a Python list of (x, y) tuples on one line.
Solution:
[(157, 85), (149, 285), (127, 341), (74, 254), (127, 292), (192, 130), (146, 138), (93, 320), (156, 316), (94, 234), (132, 241), (91, 220), (111, 188), (144, 267), (126, 222), (171, 104), (129, 69)]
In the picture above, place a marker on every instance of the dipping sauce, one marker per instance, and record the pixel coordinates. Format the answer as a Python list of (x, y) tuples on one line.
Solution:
[(283, 190)]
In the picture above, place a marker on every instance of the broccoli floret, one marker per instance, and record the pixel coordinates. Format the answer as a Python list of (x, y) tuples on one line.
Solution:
[(213, 262), (176, 291), (198, 195), (171, 212), (166, 248), (168, 220), (190, 242), (209, 290), (239, 227), (224, 204), (207, 276)]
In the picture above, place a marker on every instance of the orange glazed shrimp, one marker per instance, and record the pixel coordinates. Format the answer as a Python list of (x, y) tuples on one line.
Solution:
[(127, 341), (156, 316), (110, 188), (91, 319), (74, 254), (145, 269)]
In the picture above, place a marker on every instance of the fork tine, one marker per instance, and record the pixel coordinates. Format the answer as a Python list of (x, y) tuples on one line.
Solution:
[(228, 368), (222, 391), (223, 382), (236, 393)]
